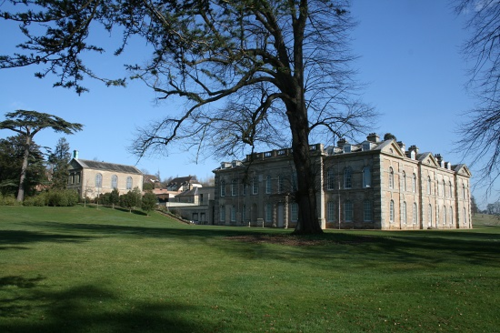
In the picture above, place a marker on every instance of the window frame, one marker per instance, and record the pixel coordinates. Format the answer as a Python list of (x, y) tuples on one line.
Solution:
[(330, 211), (391, 211), (391, 178), (98, 180), (404, 213), (367, 211), (269, 184), (348, 211), (367, 177), (114, 182), (255, 185), (348, 178)]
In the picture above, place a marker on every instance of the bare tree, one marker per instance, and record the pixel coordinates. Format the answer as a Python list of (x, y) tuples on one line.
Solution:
[(481, 129), (252, 73)]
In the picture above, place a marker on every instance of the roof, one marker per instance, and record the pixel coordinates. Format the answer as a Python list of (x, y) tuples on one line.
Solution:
[(105, 166), (183, 180), (151, 179), (187, 193)]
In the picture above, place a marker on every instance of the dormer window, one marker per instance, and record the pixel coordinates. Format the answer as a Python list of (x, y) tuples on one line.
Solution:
[(366, 146), (347, 148)]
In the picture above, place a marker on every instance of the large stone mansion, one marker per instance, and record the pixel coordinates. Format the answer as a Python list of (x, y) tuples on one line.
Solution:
[(373, 184)]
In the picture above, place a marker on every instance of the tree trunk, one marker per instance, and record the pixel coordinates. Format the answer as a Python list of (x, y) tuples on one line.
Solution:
[(24, 168), (305, 196)]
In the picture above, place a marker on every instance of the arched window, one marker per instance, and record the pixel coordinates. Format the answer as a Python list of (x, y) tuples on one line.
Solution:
[(429, 183), (451, 215), (367, 211), (129, 183), (414, 183), (348, 177), (403, 213), (367, 177), (465, 216), (404, 181), (451, 190), (463, 191), (98, 180), (391, 177), (444, 188), (444, 215), (429, 215), (415, 213), (391, 211), (114, 182), (330, 179)]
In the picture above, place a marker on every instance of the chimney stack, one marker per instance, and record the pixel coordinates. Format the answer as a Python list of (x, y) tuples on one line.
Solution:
[(341, 143)]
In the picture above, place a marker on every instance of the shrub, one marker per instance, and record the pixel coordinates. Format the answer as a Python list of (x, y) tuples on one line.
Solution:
[(38, 200), (8, 200), (149, 202), (62, 198)]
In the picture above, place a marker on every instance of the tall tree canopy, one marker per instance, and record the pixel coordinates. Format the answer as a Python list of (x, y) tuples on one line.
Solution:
[(28, 124), (252, 73), (58, 161), (12, 151), (481, 129)]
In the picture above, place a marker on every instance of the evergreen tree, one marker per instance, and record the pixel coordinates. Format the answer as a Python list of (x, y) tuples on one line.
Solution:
[(58, 161), (131, 199), (149, 202), (114, 198), (28, 124), (12, 152)]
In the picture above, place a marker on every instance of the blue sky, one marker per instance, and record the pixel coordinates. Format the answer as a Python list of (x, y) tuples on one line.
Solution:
[(409, 59)]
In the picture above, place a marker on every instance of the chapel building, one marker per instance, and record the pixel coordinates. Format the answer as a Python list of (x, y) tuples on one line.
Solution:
[(92, 178)]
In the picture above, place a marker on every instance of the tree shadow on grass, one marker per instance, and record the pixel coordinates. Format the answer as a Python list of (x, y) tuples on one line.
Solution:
[(427, 248), (88, 308), (11, 239)]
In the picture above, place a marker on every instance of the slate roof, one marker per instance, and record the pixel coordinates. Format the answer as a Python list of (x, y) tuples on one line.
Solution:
[(105, 166), (191, 192)]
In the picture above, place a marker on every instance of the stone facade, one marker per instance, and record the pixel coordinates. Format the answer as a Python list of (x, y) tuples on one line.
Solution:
[(370, 185), (92, 178)]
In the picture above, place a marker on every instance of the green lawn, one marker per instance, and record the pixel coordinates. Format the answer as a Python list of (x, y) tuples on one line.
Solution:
[(87, 270)]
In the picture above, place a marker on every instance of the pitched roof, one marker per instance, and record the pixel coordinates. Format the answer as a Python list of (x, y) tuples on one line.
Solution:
[(105, 166), (187, 193), (182, 180)]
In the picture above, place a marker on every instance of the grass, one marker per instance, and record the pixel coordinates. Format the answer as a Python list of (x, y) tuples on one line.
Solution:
[(85, 270)]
